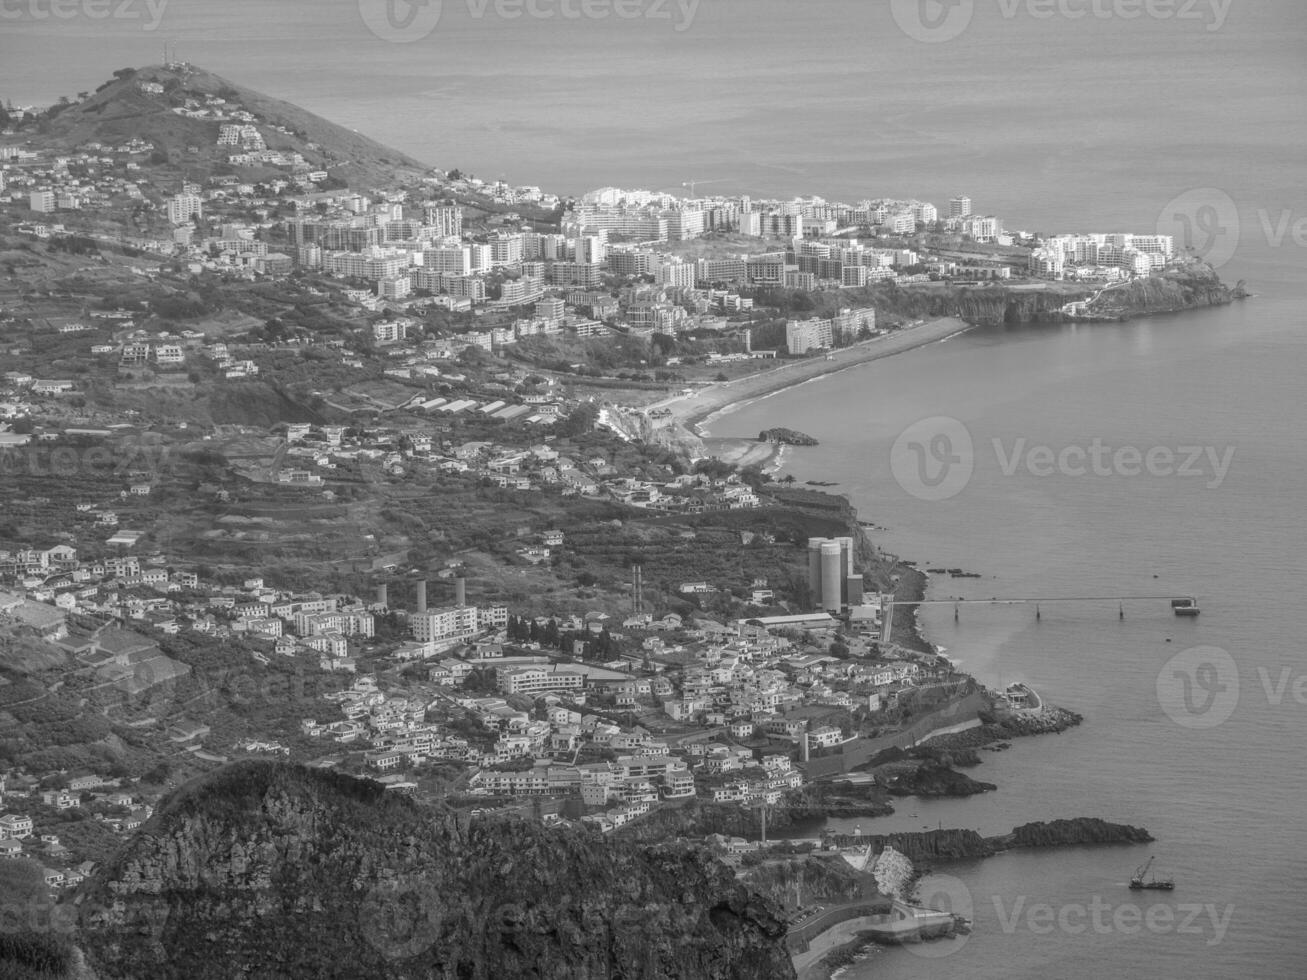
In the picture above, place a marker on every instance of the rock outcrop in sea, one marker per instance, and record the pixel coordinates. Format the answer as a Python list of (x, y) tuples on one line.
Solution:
[(933, 847)]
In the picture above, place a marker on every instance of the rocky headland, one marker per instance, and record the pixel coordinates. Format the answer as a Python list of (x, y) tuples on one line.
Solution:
[(265, 870)]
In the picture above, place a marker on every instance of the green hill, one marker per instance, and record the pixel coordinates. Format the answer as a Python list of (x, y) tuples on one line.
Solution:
[(129, 106), (262, 870)]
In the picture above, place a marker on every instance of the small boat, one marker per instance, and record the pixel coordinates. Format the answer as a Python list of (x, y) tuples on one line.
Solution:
[(1140, 882)]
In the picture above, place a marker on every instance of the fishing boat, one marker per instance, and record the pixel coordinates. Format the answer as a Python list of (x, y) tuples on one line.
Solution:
[(1141, 881)]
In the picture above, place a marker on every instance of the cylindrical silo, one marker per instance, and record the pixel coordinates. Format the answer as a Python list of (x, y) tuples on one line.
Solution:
[(832, 577), (814, 569)]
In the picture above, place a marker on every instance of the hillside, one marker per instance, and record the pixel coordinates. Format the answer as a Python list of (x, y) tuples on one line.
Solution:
[(266, 870), (122, 109)]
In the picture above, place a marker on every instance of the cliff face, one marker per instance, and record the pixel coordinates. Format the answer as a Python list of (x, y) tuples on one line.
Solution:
[(934, 778), (823, 878), (1194, 288), (938, 846), (927, 846), (266, 870), (1086, 830)]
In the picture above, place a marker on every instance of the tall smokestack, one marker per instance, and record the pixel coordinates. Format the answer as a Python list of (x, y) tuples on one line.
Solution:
[(422, 596), (460, 591), (381, 595)]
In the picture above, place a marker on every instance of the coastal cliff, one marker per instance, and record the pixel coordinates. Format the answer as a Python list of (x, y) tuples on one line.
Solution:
[(265, 870), (1188, 287), (786, 437), (1198, 287), (933, 847), (1059, 833), (813, 879), (933, 777)]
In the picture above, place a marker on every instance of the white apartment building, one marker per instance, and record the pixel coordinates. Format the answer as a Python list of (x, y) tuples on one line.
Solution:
[(534, 679), (183, 207), (802, 336), (345, 623), (448, 260), (452, 623), (676, 273), (445, 221)]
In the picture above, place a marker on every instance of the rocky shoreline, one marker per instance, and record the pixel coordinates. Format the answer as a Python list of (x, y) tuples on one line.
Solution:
[(845, 944), (929, 848)]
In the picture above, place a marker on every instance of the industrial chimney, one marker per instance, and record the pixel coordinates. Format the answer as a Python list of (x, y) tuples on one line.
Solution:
[(422, 596), (460, 591), (381, 596)]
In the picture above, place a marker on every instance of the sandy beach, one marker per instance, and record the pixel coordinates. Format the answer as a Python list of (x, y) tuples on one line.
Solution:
[(696, 409)]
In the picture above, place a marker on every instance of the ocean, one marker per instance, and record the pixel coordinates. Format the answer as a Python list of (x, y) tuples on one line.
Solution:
[(1056, 123), (1222, 801)]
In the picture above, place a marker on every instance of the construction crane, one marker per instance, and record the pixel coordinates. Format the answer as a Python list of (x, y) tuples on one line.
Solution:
[(692, 184)]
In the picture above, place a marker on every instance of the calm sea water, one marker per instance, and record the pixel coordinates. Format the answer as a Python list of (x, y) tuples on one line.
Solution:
[(1225, 802), (1055, 124)]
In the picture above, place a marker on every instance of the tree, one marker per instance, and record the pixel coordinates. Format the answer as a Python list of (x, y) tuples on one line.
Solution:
[(664, 343), (580, 421)]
